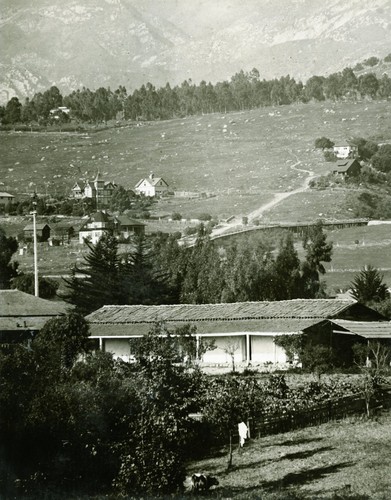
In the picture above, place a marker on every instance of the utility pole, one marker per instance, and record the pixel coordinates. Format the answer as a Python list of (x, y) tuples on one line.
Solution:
[(36, 286)]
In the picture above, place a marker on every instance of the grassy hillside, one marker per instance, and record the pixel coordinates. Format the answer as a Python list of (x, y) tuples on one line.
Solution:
[(349, 459), (243, 158)]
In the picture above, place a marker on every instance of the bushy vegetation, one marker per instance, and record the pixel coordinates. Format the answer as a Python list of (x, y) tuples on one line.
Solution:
[(25, 283), (85, 425), (250, 270)]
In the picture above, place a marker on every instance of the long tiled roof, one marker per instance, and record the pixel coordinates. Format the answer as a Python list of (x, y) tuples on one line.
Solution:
[(367, 329), (298, 309), (17, 303)]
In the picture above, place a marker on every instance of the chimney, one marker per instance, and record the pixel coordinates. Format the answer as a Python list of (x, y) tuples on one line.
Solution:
[(151, 176)]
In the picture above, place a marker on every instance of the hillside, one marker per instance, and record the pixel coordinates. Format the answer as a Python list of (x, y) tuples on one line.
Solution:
[(242, 158), (130, 42)]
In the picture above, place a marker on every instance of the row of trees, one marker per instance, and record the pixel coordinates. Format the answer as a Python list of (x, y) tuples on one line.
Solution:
[(245, 90), (162, 271)]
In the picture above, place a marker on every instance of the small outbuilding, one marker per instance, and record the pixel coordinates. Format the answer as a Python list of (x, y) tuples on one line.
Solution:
[(125, 227), (347, 168), (6, 199), (43, 232)]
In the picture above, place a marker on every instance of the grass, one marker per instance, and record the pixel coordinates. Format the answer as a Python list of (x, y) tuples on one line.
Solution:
[(339, 460), (242, 157)]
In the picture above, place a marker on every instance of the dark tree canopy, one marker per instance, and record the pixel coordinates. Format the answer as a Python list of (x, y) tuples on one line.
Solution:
[(368, 286), (8, 269), (25, 283), (323, 143), (111, 278)]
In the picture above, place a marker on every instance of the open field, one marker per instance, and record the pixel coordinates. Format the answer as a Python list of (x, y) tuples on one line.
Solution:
[(242, 157), (349, 459)]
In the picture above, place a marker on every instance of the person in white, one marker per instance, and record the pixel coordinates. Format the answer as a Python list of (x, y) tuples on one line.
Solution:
[(243, 431)]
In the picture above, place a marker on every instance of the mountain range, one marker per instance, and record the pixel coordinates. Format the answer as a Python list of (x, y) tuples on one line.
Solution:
[(95, 43)]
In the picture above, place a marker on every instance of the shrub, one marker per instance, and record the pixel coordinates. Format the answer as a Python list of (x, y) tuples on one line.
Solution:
[(204, 217), (329, 156), (323, 143), (176, 216), (188, 231), (358, 67), (371, 61)]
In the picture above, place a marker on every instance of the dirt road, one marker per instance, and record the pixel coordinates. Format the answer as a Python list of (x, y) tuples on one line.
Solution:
[(278, 197)]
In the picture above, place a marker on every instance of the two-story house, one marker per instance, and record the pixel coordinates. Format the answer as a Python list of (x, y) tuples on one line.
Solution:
[(152, 186), (98, 190)]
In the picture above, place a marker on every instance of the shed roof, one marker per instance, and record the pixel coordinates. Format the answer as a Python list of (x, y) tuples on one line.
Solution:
[(6, 195), (344, 165), (127, 221), (16, 303), (39, 226), (286, 309), (367, 329)]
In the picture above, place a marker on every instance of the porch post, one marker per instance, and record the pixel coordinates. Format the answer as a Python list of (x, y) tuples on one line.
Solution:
[(197, 347), (248, 357), (100, 343)]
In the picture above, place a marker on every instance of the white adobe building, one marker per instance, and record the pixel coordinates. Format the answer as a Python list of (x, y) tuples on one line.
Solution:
[(250, 326)]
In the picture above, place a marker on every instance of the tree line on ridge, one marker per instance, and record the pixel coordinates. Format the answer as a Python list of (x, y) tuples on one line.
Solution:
[(245, 90)]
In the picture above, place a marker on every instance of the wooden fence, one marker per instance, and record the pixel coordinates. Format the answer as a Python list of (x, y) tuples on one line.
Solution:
[(319, 414)]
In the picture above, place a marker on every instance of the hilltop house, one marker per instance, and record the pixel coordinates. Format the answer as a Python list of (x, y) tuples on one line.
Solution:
[(152, 186), (98, 190), (102, 222), (248, 326), (346, 168), (43, 231), (23, 315), (345, 151)]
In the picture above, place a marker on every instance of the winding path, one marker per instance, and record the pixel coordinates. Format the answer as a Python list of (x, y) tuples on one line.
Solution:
[(278, 197)]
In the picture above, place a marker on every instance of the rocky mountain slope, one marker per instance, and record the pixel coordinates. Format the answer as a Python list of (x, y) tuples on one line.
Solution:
[(97, 43)]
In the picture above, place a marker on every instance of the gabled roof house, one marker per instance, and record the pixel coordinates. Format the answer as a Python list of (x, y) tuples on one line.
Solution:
[(251, 326), (102, 222), (152, 186)]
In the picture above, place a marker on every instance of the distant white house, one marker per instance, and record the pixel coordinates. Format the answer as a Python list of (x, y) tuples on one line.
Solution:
[(56, 112), (152, 186), (345, 151)]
